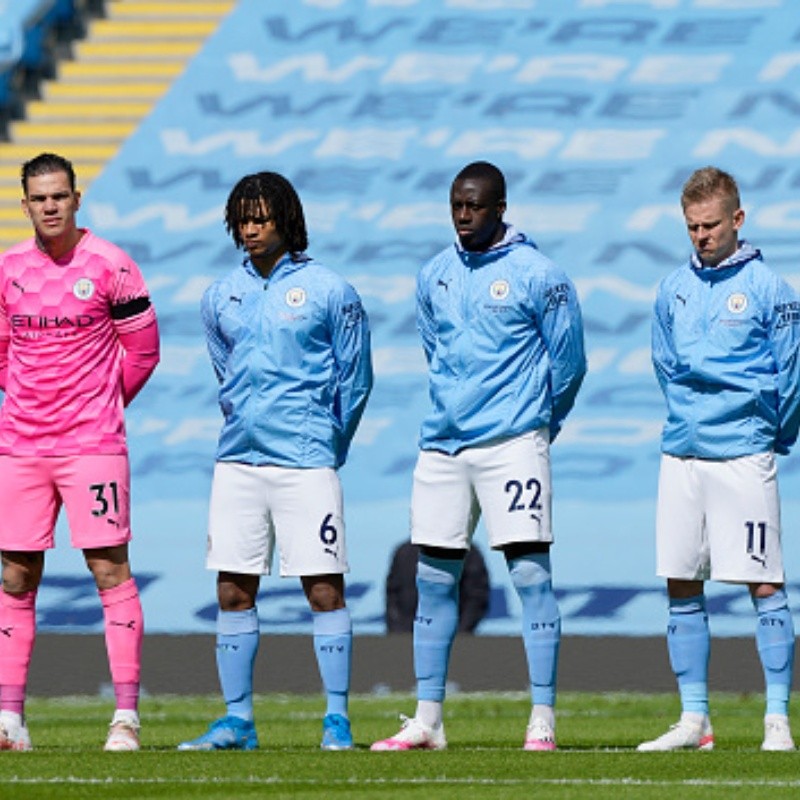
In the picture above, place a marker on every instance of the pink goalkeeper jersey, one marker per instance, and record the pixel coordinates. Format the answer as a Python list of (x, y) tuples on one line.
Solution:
[(59, 321)]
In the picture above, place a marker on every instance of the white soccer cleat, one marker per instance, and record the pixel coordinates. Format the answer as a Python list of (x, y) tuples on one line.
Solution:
[(686, 734), (123, 733), (777, 734), (540, 736), (413, 735), (13, 733)]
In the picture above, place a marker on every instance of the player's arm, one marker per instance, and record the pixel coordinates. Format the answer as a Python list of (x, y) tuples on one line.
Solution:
[(662, 347), (561, 325), (135, 322), (217, 348), (784, 331), (142, 353), (425, 322), (350, 338), (5, 340)]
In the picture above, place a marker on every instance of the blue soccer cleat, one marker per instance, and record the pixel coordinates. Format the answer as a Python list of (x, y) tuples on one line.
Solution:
[(228, 733), (336, 733)]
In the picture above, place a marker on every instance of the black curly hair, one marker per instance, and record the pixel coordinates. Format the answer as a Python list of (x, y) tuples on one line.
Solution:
[(247, 198)]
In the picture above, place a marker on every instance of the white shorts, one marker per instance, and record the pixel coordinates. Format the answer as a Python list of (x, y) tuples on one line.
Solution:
[(719, 520), (508, 482), (252, 508)]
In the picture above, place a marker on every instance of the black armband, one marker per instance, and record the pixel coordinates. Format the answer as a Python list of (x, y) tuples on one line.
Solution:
[(131, 308)]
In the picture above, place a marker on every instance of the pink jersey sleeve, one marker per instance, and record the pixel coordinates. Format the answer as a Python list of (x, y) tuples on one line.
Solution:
[(141, 347), (4, 341)]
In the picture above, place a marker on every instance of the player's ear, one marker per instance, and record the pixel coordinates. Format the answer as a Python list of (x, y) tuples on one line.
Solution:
[(501, 208), (77, 200), (738, 218), (25, 211)]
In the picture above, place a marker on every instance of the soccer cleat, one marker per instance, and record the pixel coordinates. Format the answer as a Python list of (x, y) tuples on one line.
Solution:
[(413, 735), (686, 734), (336, 733), (123, 733), (13, 734), (227, 733), (777, 734), (540, 735)]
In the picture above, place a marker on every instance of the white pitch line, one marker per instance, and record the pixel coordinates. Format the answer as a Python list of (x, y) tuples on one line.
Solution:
[(274, 780)]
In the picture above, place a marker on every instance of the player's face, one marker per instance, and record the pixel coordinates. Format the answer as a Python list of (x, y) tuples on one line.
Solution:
[(51, 205), (713, 228), (260, 238), (477, 215)]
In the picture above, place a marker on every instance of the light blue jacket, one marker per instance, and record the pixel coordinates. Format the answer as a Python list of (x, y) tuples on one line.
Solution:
[(725, 351), (292, 355), (503, 336)]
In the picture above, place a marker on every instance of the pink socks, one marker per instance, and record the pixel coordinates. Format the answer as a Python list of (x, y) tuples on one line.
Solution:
[(17, 634), (124, 623)]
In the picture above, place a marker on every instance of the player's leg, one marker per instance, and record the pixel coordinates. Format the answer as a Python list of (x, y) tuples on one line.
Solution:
[(22, 572), (124, 630), (513, 483), (240, 545), (30, 506), (745, 538), (435, 626), (444, 513), (96, 494), (311, 538), (531, 575), (238, 635), (438, 575), (775, 642), (682, 557), (333, 645)]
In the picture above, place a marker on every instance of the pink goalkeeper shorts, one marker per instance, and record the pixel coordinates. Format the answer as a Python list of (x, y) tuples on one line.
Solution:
[(94, 490)]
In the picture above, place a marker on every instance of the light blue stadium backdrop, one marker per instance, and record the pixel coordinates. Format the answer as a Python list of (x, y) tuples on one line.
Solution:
[(596, 110)]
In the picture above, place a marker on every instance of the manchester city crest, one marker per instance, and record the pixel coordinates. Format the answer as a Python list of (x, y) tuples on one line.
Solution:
[(83, 288), (737, 303), (499, 290), (296, 297)]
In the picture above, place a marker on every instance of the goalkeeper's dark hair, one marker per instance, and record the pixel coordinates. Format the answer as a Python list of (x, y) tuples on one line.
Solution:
[(246, 201), (46, 164)]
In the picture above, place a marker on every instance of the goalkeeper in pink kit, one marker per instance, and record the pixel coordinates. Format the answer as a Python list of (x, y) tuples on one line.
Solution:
[(78, 340)]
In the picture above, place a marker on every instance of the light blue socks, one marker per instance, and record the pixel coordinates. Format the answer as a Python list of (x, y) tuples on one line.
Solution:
[(541, 623), (237, 645), (775, 642), (333, 645), (435, 624), (689, 645)]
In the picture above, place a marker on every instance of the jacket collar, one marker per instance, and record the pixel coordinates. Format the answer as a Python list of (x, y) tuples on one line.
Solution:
[(285, 266), (744, 253)]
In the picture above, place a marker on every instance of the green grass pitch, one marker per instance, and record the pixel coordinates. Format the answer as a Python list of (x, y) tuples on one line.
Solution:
[(597, 734)]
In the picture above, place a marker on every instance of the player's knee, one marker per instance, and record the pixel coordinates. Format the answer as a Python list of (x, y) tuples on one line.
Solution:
[(436, 577), (325, 595), (237, 595), (21, 575), (531, 573), (776, 600)]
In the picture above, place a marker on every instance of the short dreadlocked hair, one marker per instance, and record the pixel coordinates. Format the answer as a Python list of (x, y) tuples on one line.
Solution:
[(247, 198), (46, 164)]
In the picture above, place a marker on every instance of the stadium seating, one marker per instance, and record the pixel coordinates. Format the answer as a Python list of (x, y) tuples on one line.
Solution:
[(124, 62)]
